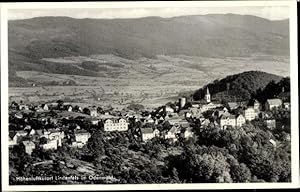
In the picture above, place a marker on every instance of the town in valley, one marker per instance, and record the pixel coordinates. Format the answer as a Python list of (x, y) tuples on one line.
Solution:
[(45, 133)]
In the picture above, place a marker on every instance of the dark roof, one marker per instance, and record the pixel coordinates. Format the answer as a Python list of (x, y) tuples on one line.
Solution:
[(237, 115), (11, 134), (39, 132), (81, 131), (228, 116), (146, 130)]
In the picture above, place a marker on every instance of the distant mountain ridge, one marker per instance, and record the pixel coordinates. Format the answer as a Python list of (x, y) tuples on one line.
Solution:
[(213, 35), (205, 35)]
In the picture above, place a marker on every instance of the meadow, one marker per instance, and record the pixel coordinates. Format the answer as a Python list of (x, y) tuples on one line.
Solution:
[(151, 82)]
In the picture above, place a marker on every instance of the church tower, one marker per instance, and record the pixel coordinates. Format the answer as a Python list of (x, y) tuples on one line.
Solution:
[(207, 96)]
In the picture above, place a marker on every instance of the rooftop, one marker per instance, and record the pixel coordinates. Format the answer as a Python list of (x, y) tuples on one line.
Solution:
[(146, 130), (274, 101)]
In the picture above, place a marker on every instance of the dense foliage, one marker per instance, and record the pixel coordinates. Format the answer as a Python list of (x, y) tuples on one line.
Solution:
[(274, 89), (240, 86)]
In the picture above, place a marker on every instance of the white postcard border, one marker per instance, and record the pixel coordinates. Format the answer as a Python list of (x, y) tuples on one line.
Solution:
[(294, 96)]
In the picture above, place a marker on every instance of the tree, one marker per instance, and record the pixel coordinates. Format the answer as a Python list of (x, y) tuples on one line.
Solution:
[(239, 172), (202, 164), (59, 104), (86, 111), (95, 144), (43, 140)]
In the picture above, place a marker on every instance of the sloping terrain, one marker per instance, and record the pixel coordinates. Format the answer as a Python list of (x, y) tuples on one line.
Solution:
[(212, 36)]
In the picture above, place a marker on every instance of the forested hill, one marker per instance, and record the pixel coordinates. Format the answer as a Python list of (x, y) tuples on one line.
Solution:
[(239, 87), (212, 35)]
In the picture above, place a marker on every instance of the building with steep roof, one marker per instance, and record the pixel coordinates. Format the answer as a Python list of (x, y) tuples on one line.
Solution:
[(172, 133), (12, 139), (273, 103), (240, 120), (232, 105), (149, 133), (226, 121), (81, 138), (29, 146)]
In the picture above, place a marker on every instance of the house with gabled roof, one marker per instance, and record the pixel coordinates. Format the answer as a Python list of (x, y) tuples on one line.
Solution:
[(29, 146), (32, 132), (148, 133), (45, 107), (69, 108), (240, 120), (204, 121), (187, 133), (273, 103), (172, 133), (226, 121), (81, 138), (232, 105), (12, 139)]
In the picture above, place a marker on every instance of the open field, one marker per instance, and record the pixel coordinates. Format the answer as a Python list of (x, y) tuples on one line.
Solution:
[(151, 82)]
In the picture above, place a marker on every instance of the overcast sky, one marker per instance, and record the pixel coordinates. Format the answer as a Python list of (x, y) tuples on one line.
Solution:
[(268, 12)]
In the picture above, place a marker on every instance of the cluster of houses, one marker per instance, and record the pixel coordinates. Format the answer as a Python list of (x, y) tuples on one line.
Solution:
[(47, 139), (231, 114)]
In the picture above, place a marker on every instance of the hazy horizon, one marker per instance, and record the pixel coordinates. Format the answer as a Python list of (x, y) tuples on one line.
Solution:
[(267, 12)]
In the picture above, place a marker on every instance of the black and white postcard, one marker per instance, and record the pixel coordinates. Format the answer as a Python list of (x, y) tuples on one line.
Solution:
[(149, 95)]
